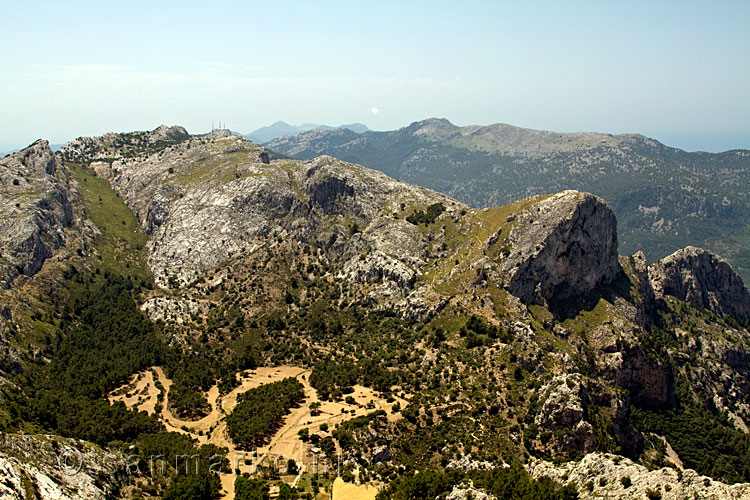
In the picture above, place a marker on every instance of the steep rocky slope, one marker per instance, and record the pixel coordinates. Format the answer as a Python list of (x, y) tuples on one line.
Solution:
[(562, 247), (664, 198), (205, 202), (36, 209)]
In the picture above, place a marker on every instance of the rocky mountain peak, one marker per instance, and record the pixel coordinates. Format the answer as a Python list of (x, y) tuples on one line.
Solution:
[(703, 279), (434, 128), (107, 147), (174, 132), (38, 157), (561, 246)]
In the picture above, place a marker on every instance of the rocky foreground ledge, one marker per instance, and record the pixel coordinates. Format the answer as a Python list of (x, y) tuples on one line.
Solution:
[(48, 467), (600, 475)]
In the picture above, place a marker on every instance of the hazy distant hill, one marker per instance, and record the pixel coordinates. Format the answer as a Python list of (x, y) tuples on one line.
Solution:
[(280, 129), (664, 198)]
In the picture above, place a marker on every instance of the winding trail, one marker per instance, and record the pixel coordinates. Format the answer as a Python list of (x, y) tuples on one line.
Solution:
[(141, 393)]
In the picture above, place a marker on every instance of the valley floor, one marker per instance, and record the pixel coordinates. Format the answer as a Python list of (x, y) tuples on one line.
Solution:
[(142, 393)]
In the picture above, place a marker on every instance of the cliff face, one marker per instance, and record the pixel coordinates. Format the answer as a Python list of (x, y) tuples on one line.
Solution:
[(702, 279), (562, 247), (35, 201)]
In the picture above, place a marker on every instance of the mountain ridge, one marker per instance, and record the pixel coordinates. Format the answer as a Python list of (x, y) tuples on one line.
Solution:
[(281, 128), (665, 198)]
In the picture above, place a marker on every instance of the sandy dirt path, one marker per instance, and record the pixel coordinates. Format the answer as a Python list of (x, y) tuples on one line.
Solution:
[(140, 393), (143, 395)]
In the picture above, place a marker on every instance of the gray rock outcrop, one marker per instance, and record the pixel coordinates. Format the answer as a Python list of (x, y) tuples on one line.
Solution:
[(563, 409), (170, 309), (604, 476), (37, 210), (55, 468), (648, 382), (702, 279), (206, 202), (562, 246), (468, 492), (379, 454)]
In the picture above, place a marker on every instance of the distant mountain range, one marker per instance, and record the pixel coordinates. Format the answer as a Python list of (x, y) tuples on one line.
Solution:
[(280, 129), (664, 198)]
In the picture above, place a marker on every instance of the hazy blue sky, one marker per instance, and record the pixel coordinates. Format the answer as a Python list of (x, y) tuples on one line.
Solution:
[(677, 71)]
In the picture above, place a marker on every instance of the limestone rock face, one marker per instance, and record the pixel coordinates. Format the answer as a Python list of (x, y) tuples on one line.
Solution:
[(37, 210), (563, 402), (605, 473), (703, 279), (209, 200), (645, 289), (467, 463), (468, 492), (169, 309), (564, 399), (647, 382), (562, 246), (57, 469)]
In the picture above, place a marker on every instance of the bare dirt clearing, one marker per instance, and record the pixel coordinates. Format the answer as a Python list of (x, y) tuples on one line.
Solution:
[(142, 393), (351, 491)]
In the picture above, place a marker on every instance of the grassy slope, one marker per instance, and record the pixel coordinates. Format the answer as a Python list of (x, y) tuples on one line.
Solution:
[(121, 244)]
